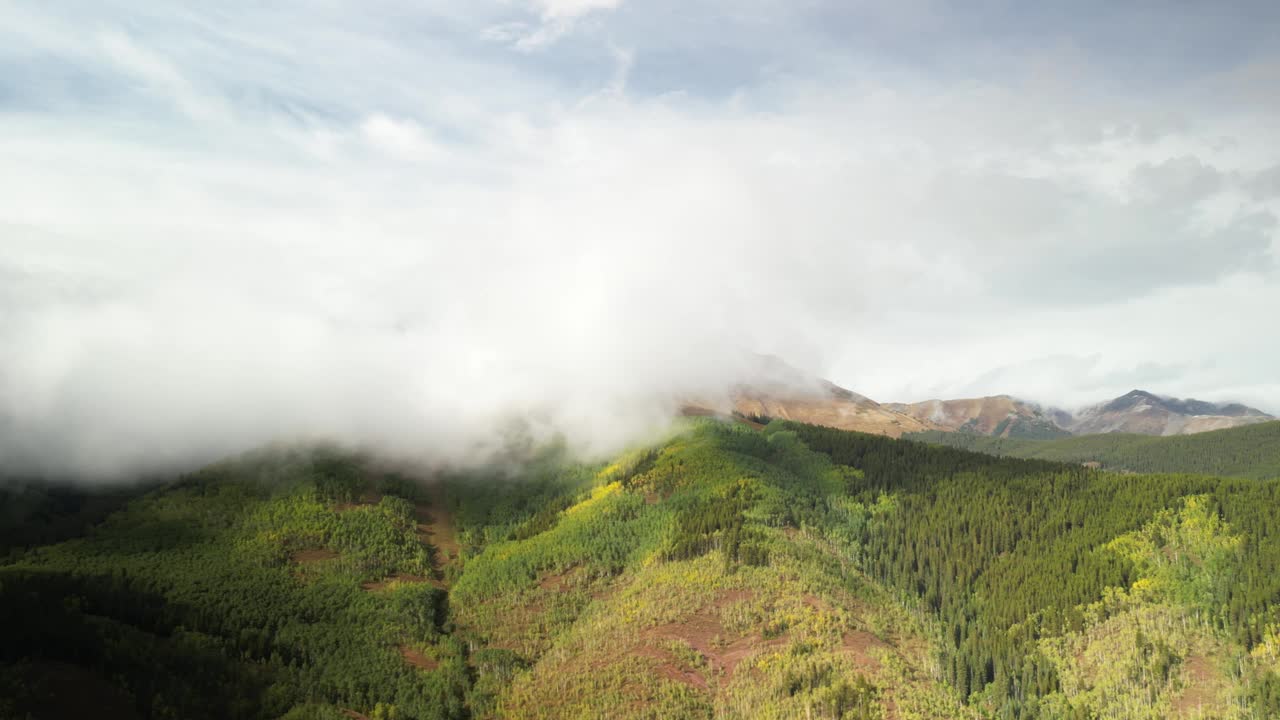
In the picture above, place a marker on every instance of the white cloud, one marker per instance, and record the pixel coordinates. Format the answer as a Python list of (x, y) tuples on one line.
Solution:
[(556, 19), (398, 138), (571, 9), (401, 241)]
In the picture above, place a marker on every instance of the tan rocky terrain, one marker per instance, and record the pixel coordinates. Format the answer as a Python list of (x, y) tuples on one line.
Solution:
[(1145, 413), (770, 388), (774, 389), (832, 406), (837, 408), (999, 415)]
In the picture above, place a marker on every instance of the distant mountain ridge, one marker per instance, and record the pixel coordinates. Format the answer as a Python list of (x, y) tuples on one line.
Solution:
[(833, 407), (997, 416), (770, 388), (767, 387), (1145, 413), (1139, 412)]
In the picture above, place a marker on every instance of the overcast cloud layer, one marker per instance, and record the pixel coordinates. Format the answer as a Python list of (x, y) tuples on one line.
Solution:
[(400, 222)]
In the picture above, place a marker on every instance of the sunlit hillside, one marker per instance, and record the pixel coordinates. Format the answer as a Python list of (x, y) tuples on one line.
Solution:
[(794, 571)]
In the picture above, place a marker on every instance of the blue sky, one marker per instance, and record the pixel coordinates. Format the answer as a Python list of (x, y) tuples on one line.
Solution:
[(242, 220)]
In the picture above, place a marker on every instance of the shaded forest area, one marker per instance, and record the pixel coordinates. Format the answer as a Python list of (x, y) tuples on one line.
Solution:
[(1251, 451)]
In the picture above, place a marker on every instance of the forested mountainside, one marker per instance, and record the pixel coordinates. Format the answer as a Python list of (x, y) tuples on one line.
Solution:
[(38, 512), (1251, 451), (796, 571)]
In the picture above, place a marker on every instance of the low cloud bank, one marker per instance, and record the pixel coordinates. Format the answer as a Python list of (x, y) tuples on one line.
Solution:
[(219, 231)]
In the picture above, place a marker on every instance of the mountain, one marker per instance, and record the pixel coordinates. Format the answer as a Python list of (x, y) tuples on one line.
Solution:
[(1248, 451), (791, 572), (1145, 413), (829, 405), (1138, 412), (768, 387), (999, 416), (771, 388)]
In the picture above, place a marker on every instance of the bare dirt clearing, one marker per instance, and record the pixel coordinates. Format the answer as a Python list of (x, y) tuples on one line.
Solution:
[(704, 632), (1204, 685), (304, 557), (417, 659), (860, 645)]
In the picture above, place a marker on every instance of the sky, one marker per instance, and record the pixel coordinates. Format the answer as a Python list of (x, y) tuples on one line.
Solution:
[(407, 223)]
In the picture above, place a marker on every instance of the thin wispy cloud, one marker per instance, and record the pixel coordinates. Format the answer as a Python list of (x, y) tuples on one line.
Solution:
[(553, 19)]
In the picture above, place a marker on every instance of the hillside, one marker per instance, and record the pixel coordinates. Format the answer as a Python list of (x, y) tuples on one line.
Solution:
[(34, 512), (999, 416), (796, 571), (1251, 451)]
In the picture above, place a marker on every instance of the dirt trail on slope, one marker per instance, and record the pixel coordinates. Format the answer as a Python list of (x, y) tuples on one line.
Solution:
[(435, 528), (1203, 689)]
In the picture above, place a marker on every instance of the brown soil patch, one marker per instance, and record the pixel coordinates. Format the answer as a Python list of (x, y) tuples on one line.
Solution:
[(353, 714), (816, 603), (860, 644), (861, 647), (303, 557), (417, 659), (672, 669), (566, 581), (705, 633), (573, 579), (561, 581), (1203, 686), (397, 579)]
